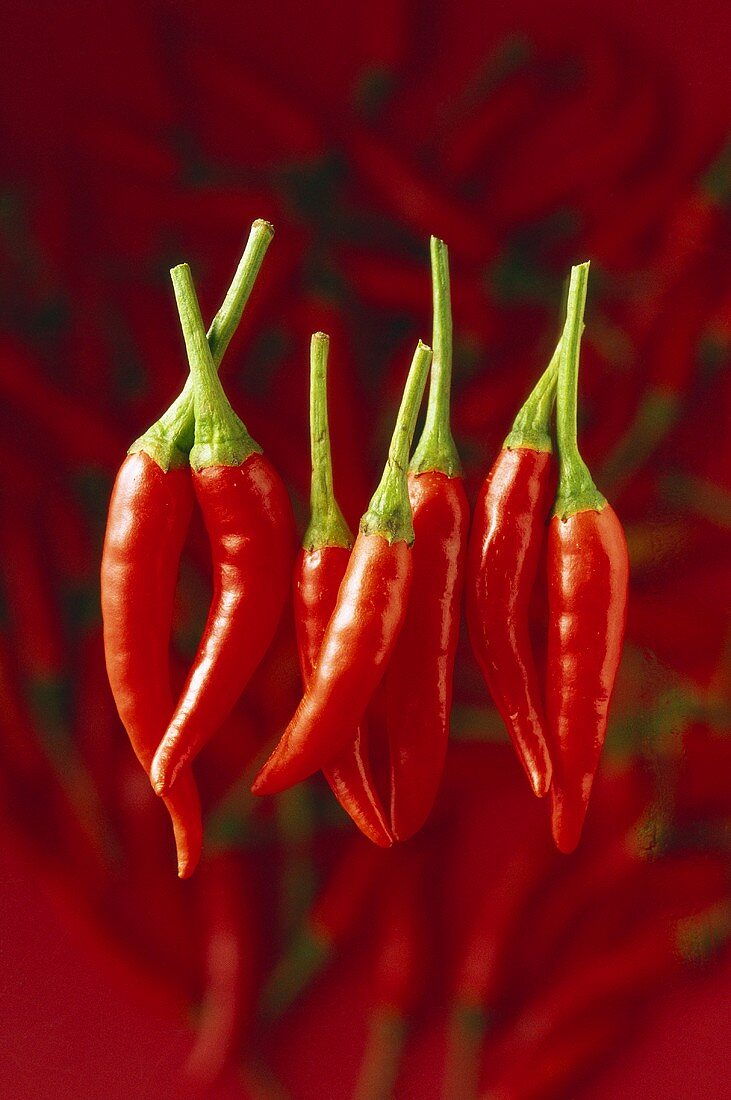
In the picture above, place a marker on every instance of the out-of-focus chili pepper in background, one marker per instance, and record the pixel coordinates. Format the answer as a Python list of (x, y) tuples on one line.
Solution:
[(474, 960)]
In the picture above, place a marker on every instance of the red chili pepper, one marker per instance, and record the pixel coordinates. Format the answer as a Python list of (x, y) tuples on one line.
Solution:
[(319, 571), (420, 672), (505, 545), (482, 963), (368, 615), (413, 198), (251, 530), (333, 917), (229, 951), (398, 976), (588, 573), (79, 431), (149, 513)]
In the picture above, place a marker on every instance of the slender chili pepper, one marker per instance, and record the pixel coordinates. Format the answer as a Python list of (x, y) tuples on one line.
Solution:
[(413, 198), (505, 546), (318, 573), (398, 977), (77, 429), (228, 930), (482, 964), (368, 615), (250, 527), (419, 676), (39, 640), (331, 920), (148, 518), (588, 574)]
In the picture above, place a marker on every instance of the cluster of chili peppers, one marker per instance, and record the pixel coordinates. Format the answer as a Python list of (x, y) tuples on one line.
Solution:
[(377, 617), (296, 946)]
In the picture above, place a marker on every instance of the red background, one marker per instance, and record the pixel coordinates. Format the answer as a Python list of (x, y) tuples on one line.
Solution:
[(139, 136)]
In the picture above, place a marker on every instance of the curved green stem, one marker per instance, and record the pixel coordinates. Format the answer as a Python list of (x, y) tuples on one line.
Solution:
[(532, 426), (576, 489), (327, 526), (389, 512), (436, 449), (220, 437), (169, 440)]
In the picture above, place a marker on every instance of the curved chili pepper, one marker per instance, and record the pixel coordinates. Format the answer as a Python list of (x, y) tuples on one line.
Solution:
[(368, 615), (318, 573), (588, 574), (250, 526), (505, 546), (419, 676), (149, 513)]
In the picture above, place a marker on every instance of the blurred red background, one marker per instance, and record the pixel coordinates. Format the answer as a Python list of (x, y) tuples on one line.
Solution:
[(141, 135)]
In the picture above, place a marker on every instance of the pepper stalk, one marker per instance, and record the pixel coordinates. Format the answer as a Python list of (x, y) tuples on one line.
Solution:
[(389, 512), (327, 526), (221, 438), (576, 489), (436, 449), (169, 440)]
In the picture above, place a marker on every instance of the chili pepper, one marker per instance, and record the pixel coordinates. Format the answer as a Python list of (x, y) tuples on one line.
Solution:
[(295, 821), (588, 572), (332, 918), (552, 1067), (79, 431), (161, 929), (504, 551), (148, 518), (401, 951), (368, 615), (229, 949), (40, 641), (250, 527), (482, 964), (419, 675), (278, 128), (411, 197), (318, 573)]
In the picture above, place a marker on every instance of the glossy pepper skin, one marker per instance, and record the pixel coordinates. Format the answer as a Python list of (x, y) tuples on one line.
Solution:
[(419, 677), (319, 570), (318, 576), (148, 518), (149, 513), (250, 527), (369, 613), (588, 577), (508, 529)]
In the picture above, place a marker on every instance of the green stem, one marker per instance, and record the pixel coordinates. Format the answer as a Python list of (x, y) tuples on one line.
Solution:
[(389, 512), (169, 440), (532, 426), (221, 439), (576, 490), (327, 526), (436, 449)]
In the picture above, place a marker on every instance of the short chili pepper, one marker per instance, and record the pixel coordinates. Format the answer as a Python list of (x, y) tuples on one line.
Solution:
[(250, 527), (149, 513), (368, 615), (588, 574), (419, 676), (318, 573), (505, 546)]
